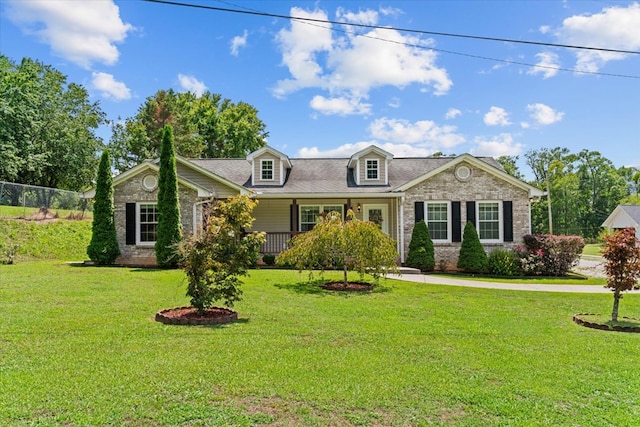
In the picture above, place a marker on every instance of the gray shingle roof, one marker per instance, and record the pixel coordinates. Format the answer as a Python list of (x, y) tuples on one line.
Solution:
[(633, 211), (327, 175)]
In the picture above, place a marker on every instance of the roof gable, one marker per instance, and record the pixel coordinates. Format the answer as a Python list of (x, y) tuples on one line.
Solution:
[(533, 191), (623, 216), (266, 149), (368, 150)]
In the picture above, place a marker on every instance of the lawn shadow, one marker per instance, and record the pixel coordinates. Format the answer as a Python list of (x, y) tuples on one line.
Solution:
[(314, 287)]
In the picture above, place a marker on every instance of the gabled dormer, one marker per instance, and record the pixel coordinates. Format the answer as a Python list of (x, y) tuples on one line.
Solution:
[(370, 166), (268, 166)]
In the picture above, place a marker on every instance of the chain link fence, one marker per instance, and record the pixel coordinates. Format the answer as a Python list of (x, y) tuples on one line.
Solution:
[(32, 201)]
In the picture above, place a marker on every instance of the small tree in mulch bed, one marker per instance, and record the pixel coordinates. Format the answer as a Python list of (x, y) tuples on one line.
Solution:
[(421, 252), (103, 248), (472, 257), (622, 255), (349, 245), (214, 258)]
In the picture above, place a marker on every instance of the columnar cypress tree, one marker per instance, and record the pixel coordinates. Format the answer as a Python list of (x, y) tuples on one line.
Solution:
[(472, 257), (169, 231), (103, 248), (421, 253)]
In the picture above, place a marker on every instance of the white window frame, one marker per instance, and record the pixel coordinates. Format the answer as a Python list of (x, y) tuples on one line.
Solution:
[(367, 169), (139, 224), (321, 208), (264, 162), (449, 220), (500, 220)]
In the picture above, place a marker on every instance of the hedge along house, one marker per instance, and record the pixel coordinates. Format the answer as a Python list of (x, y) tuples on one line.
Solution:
[(393, 192)]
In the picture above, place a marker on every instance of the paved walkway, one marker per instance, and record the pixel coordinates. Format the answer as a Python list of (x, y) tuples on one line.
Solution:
[(590, 266), (451, 281)]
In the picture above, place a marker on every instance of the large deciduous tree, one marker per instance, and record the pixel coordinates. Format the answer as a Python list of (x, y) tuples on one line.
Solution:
[(103, 248), (622, 255), (46, 127), (169, 231), (204, 126)]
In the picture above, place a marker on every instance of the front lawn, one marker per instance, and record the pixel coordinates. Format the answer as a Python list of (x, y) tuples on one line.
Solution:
[(79, 346)]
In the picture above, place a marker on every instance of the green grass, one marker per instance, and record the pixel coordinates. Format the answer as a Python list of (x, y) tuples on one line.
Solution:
[(26, 212), (79, 346), (594, 249), (37, 240)]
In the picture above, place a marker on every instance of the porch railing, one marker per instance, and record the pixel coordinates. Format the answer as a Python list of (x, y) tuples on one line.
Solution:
[(276, 242)]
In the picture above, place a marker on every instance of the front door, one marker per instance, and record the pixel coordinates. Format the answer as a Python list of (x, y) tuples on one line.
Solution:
[(377, 214)]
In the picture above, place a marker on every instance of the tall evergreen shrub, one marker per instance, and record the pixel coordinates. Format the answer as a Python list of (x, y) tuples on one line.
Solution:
[(421, 252), (103, 248), (472, 257), (169, 231)]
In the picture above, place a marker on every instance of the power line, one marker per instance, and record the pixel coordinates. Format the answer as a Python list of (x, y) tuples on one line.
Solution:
[(316, 22), (407, 30)]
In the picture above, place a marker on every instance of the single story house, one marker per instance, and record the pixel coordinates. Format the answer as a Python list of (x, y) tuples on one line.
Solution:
[(624, 216), (393, 192)]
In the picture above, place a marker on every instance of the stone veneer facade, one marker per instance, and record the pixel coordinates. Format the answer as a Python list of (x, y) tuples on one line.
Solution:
[(132, 191), (479, 186)]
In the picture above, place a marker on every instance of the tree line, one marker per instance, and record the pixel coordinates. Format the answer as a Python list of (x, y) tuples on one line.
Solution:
[(48, 138)]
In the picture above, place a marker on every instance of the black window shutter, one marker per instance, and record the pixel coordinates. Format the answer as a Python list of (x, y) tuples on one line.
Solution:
[(419, 207), (130, 225), (507, 214), (293, 217), (471, 213), (456, 222)]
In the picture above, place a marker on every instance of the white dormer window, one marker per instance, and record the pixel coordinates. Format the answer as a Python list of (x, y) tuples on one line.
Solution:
[(266, 170), (373, 169)]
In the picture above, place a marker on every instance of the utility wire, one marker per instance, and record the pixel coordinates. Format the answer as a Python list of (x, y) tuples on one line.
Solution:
[(407, 30)]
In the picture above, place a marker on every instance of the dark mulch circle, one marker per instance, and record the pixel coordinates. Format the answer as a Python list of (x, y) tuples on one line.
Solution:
[(580, 319), (190, 316), (350, 286)]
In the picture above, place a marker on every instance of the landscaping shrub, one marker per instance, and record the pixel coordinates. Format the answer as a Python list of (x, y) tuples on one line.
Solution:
[(169, 230), (421, 253), (269, 259), (503, 262), (472, 257), (103, 248), (550, 255)]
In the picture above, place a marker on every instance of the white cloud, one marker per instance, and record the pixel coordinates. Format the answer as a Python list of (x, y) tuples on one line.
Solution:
[(452, 113), (109, 87), (365, 17), (547, 65), (238, 42), (394, 102), (424, 133), (496, 116), (499, 145), (544, 29), (191, 84), (340, 106), (350, 66), (83, 32), (543, 114), (614, 27)]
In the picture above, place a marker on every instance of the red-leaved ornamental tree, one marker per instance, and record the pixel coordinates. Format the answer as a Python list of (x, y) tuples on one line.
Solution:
[(622, 254)]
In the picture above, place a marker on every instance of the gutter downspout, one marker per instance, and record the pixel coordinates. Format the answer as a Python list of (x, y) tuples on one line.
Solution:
[(401, 228), (195, 211)]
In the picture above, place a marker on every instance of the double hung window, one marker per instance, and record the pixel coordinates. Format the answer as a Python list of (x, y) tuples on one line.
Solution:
[(437, 219), (309, 214), (147, 222), (489, 221)]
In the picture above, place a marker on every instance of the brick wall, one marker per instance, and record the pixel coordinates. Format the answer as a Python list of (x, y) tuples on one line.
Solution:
[(132, 191), (479, 186)]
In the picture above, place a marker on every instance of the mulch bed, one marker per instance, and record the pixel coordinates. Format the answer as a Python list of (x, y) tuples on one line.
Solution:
[(190, 316), (350, 287), (604, 327)]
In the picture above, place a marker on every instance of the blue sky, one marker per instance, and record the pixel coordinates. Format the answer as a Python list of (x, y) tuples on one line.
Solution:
[(328, 90)]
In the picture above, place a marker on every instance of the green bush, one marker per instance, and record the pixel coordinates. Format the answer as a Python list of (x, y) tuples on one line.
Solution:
[(269, 259), (472, 257), (421, 253), (503, 262), (103, 248), (169, 231)]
